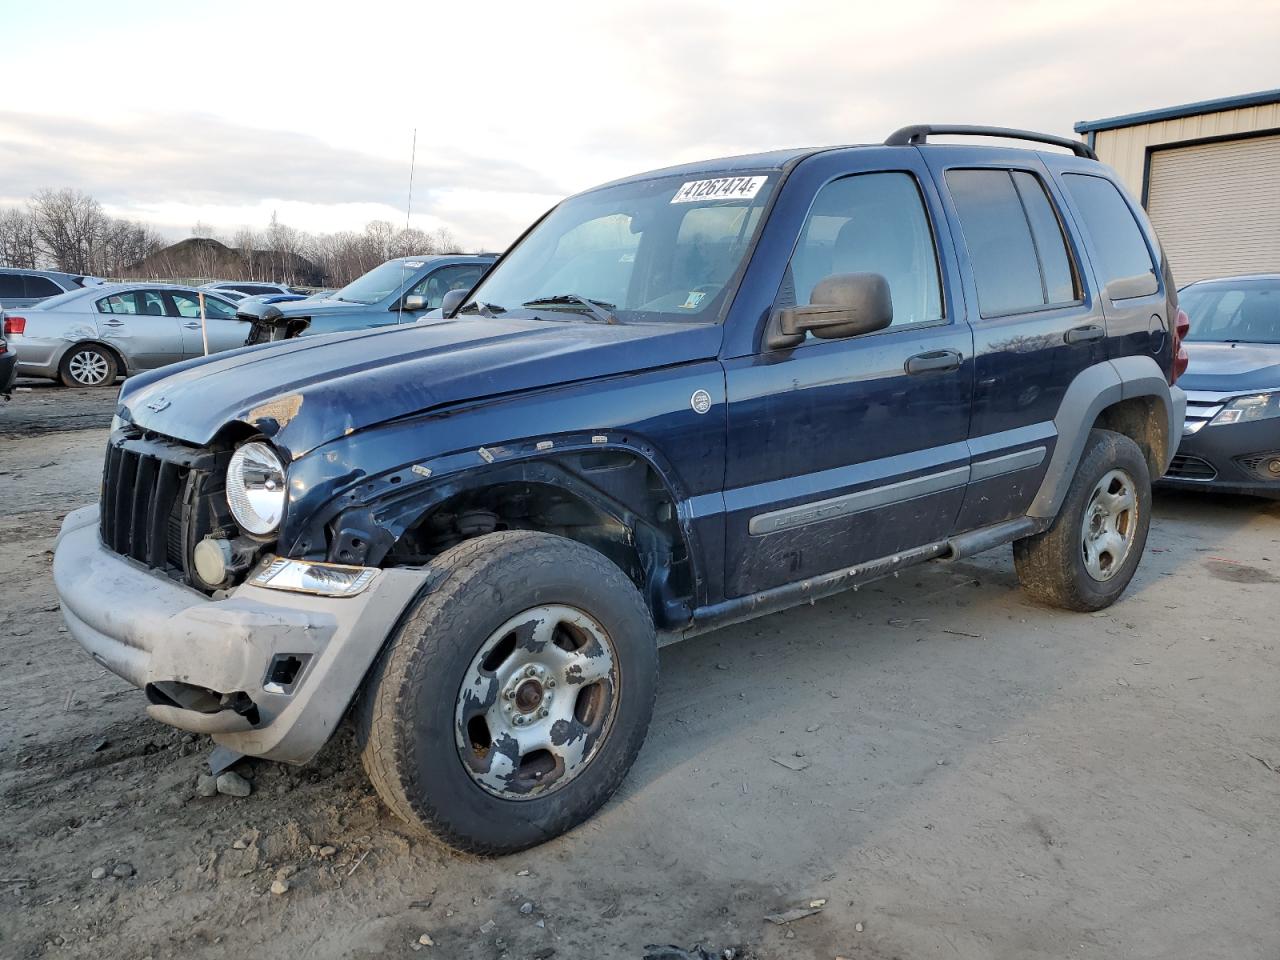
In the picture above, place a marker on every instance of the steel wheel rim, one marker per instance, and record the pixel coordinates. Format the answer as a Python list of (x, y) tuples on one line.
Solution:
[(88, 367), (1110, 525), (537, 702)]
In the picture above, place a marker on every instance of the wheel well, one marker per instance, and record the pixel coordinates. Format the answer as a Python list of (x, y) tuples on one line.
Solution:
[(642, 539), (1144, 421)]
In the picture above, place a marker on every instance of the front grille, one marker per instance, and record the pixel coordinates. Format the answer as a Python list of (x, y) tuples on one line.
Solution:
[(139, 496), (158, 500), (1191, 468)]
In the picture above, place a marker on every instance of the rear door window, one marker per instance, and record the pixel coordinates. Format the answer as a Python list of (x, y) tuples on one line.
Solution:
[(118, 303), (1015, 242), (11, 287), (42, 287), (1120, 250)]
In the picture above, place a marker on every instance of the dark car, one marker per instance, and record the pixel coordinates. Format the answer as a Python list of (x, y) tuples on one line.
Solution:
[(398, 291), (1231, 440), (8, 368), (681, 400), (20, 287)]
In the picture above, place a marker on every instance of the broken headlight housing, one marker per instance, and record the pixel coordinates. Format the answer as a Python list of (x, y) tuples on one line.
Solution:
[(304, 576), (1257, 406), (256, 488)]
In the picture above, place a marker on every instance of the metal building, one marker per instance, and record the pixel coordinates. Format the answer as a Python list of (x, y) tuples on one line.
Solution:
[(1208, 174)]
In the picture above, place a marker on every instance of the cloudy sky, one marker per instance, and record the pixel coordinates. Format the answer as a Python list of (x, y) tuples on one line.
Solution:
[(225, 112)]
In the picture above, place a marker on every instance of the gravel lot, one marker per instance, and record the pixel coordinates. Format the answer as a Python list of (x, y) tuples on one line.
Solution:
[(978, 778)]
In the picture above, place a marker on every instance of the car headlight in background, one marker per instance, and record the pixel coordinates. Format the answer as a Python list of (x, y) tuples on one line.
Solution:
[(1258, 406), (256, 488)]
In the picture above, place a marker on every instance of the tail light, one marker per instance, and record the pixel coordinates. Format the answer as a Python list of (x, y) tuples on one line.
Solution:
[(15, 325), (1181, 327)]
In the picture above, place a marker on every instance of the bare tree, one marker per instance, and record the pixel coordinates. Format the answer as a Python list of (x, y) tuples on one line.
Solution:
[(18, 246), (67, 225)]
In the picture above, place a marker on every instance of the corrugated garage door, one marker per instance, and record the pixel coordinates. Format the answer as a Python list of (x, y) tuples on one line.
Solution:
[(1216, 207)]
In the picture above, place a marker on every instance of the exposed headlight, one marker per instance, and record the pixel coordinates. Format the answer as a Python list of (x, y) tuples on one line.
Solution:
[(303, 576), (256, 488), (1258, 406)]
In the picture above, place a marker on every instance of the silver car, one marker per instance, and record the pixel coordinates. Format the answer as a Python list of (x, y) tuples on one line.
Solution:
[(89, 337)]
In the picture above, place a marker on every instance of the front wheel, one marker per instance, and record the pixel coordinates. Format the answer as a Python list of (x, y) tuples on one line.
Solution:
[(510, 704), (1087, 557)]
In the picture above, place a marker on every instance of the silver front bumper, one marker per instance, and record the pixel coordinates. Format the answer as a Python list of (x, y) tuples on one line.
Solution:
[(149, 629)]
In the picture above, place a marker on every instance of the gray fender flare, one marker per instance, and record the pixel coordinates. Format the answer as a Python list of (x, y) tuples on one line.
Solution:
[(1093, 390)]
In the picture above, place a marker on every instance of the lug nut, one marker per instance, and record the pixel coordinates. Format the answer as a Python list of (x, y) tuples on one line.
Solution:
[(551, 683), (530, 671)]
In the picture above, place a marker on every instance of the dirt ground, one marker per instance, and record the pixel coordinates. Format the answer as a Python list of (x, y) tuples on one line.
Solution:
[(981, 778)]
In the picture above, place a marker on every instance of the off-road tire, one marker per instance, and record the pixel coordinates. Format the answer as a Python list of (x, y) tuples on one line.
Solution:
[(73, 360), (1051, 566), (405, 719)]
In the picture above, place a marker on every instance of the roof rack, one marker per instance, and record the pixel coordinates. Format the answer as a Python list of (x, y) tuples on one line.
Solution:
[(920, 133)]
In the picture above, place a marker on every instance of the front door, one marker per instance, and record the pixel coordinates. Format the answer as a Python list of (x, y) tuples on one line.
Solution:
[(844, 451), (137, 325), (224, 331)]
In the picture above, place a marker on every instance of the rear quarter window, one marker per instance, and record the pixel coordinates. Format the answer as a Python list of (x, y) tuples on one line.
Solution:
[(1119, 249)]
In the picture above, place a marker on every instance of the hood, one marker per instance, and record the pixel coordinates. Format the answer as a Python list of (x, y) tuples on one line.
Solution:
[(1227, 367), (305, 308), (309, 390)]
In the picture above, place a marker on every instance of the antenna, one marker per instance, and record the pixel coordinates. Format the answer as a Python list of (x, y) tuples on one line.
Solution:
[(408, 212)]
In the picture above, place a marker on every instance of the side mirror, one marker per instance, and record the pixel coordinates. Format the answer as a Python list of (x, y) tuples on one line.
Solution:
[(452, 301), (1125, 288), (414, 302), (843, 305)]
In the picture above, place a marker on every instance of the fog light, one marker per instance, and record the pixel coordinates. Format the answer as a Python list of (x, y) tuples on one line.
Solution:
[(323, 579), (1273, 467), (211, 558)]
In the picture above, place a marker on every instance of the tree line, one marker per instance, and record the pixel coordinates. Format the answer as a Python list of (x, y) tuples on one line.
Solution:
[(67, 230)]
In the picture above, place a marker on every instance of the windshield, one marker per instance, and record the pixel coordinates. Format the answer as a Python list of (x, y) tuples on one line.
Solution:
[(664, 249), (379, 283), (1247, 311)]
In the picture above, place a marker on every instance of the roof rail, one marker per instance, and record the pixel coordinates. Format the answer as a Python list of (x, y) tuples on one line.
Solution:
[(921, 132)]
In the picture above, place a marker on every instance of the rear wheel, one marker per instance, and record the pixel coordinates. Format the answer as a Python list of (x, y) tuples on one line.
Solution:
[(1087, 558), (87, 366), (511, 703)]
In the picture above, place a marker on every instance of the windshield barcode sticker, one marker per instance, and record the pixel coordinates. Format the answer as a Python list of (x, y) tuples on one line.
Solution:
[(725, 188)]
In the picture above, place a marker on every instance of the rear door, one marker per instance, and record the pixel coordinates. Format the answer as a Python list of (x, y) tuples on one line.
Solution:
[(225, 332), (844, 451), (1035, 326), (138, 325)]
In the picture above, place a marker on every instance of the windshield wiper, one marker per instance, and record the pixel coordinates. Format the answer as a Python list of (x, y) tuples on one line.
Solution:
[(598, 308), (489, 310)]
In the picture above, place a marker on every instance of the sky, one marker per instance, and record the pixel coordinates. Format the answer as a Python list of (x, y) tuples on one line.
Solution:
[(225, 112)]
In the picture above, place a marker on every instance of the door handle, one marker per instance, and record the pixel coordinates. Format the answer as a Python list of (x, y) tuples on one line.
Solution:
[(933, 361), (1090, 331), (192, 326), (113, 323)]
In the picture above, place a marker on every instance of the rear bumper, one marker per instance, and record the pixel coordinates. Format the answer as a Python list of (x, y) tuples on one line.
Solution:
[(38, 356), (163, 636), (1232, 458)]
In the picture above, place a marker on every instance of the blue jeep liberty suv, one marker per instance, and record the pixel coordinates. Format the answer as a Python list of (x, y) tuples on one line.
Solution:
[(679, 400)]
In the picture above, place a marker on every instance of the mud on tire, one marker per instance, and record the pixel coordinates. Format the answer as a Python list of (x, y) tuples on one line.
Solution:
[(470, 679), (1086, 559)]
